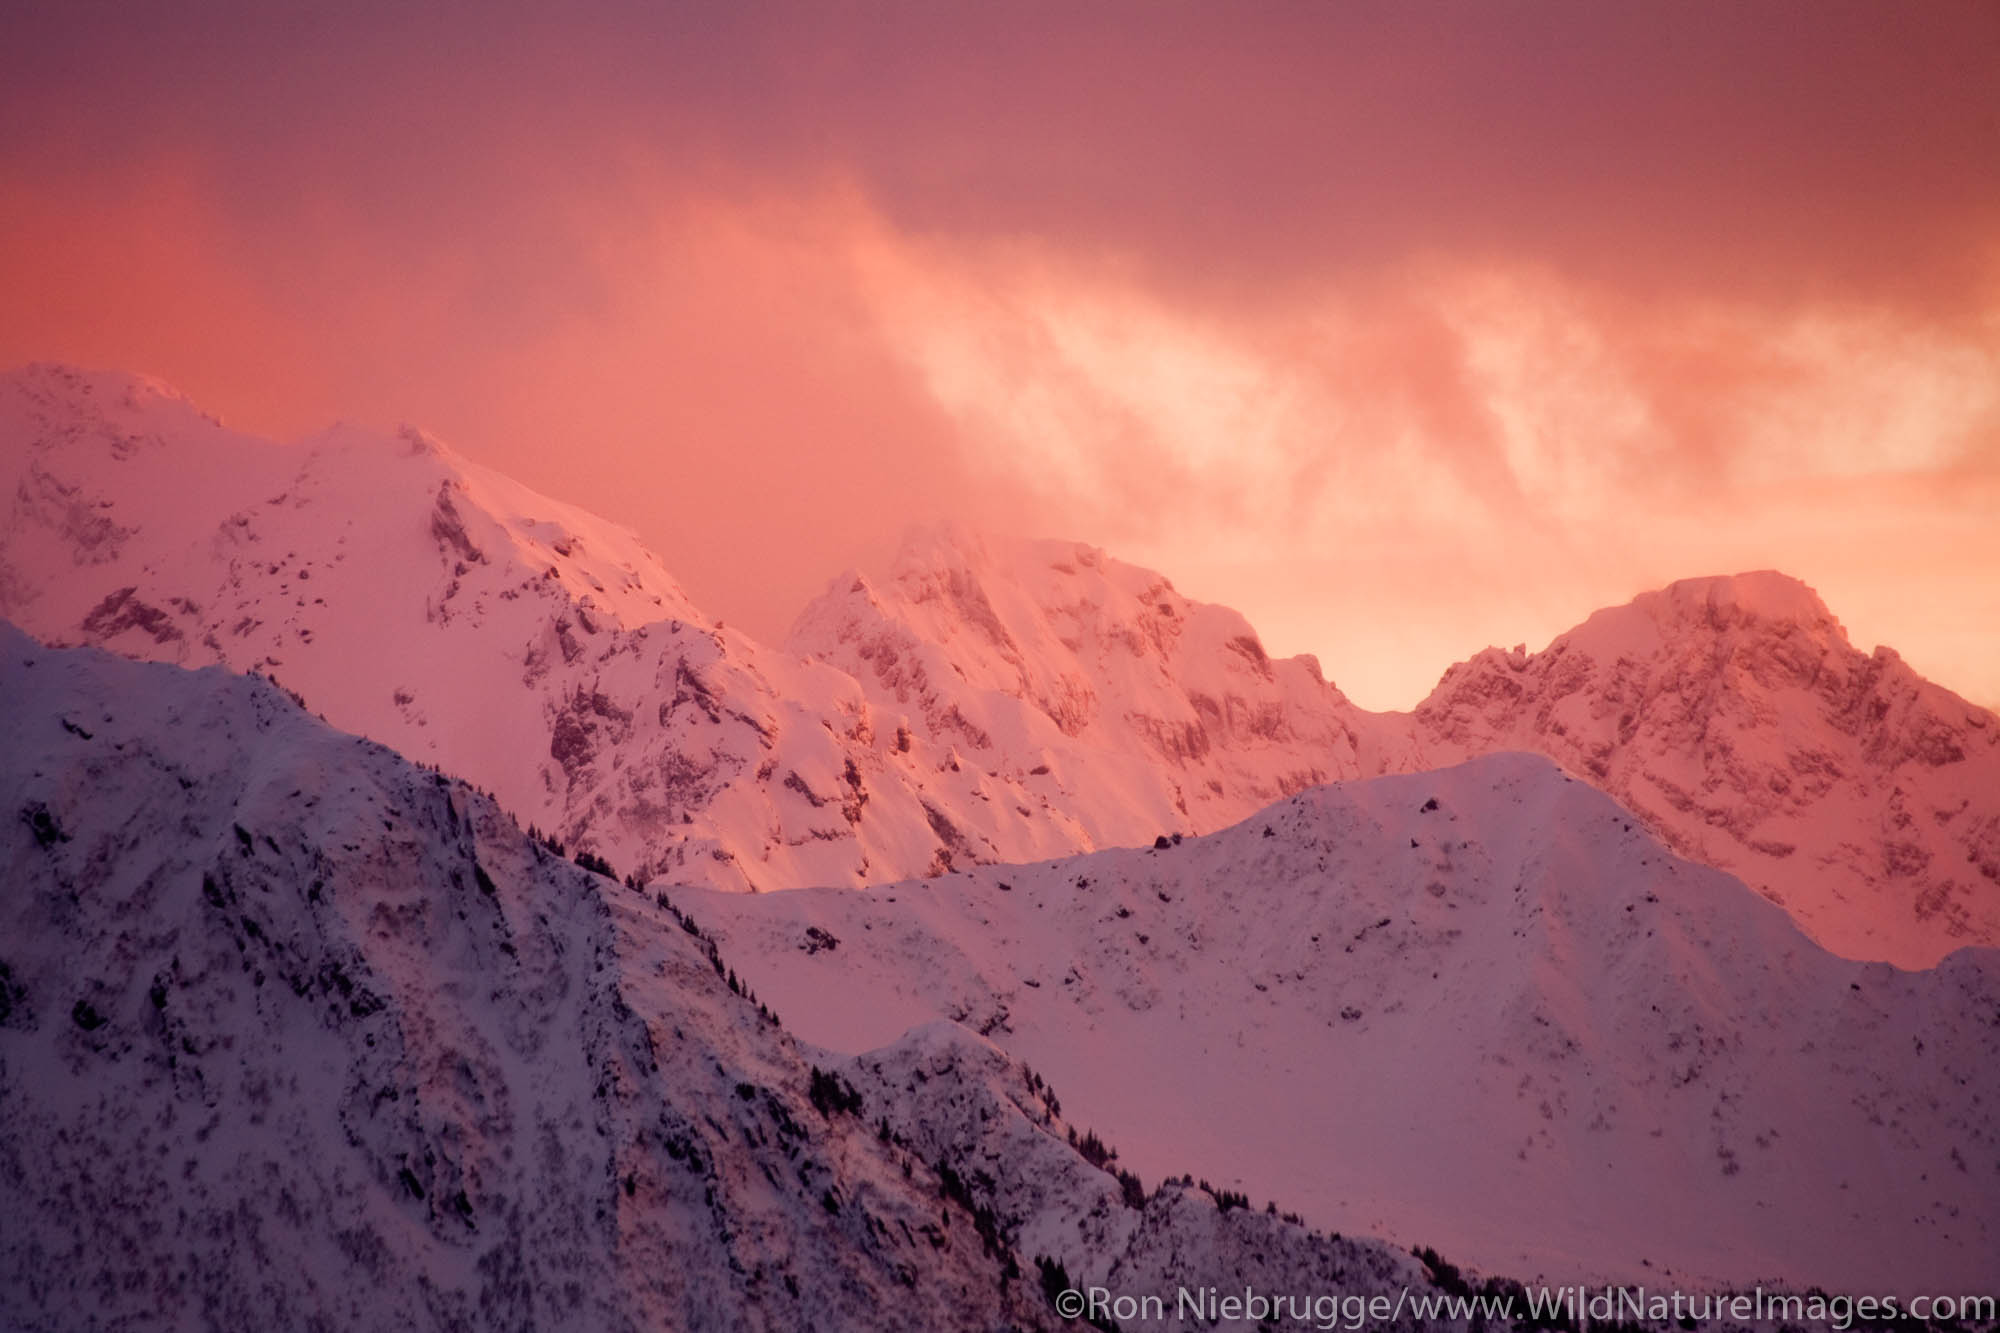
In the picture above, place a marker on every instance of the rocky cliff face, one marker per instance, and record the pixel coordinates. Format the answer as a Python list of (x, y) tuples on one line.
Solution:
[(1734, 717)]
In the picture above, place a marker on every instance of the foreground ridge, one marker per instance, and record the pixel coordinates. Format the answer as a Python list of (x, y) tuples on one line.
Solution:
[(295, 1032), (1479, 1008)]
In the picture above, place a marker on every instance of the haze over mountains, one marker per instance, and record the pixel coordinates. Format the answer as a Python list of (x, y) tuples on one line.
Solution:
[(991, 701)]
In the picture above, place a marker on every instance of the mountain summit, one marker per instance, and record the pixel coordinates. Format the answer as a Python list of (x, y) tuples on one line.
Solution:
[(1147, 711), (1735, 718)]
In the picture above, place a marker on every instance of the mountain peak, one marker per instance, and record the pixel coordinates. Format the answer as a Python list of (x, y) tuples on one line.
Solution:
[(64, 404), (1733, 715), (1762, 593), (61, 381), (1044, 564), (946, 541), (1089, 674), (994, 698), (1725, 601), (1701, 608)]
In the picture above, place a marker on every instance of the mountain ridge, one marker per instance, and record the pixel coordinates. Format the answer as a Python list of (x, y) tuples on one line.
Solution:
[(1538, 1039), (990, 700)]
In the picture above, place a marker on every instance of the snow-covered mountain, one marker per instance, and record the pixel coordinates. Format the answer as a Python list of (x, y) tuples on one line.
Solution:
[(294, 1033), (1735, 718), (411, 595), (433, 605), (1479, 1008), (1091, 684), (298, 1033), (1731, 714), (990, 701)]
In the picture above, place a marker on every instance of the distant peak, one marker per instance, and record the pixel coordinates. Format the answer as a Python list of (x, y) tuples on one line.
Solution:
[(945, 542), (950, 543), (103, 389), (1761, 600), (953, 549), (80, 413), (1763, 594), (421, 442)]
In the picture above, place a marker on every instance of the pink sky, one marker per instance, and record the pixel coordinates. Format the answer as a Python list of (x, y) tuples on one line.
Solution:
[(1403, 328)]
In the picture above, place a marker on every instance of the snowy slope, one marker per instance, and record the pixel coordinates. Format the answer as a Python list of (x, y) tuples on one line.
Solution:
[(295, 1034), (1735, 718), (1511, 1026), (299, 1035), (1478, 1008), (1731, 714), (955, 1098)]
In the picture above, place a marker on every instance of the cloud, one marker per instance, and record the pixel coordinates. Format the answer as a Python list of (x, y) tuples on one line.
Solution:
[(1398, 333), (1482, 449)]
